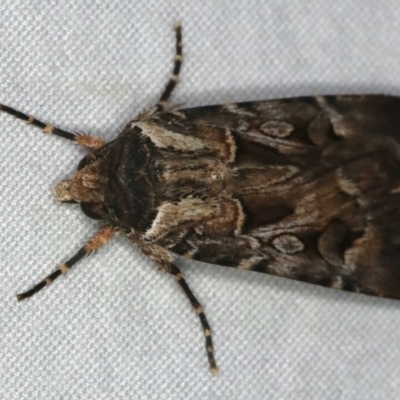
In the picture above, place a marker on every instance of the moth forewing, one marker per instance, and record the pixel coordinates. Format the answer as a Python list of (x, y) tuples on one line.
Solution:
[(304, 188)]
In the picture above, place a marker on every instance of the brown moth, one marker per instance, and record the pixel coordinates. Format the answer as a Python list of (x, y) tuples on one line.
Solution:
[(305, 188)]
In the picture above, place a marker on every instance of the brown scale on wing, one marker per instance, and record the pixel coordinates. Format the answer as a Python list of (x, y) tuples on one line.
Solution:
[(318, 180)]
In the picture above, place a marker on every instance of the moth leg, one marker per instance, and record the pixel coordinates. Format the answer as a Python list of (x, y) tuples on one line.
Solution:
[(92, 142), (174, 79), (162, 257), (175, 271), (101, 238)]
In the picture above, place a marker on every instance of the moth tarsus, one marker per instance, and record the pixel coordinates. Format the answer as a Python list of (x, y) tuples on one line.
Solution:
[(102, 237), (305, 188)]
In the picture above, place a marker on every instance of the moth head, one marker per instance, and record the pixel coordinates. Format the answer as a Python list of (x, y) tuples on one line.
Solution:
[(62, 192), (85, 187)]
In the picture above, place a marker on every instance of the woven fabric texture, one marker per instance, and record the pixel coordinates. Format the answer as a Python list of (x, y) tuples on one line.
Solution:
[(115, 327)]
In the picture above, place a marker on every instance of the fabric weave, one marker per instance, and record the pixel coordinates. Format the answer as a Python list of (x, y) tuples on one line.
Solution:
[(115, 327)]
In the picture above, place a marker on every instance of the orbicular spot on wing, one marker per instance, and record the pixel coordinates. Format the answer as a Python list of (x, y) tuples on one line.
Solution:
[(276, 128), (288, 244)]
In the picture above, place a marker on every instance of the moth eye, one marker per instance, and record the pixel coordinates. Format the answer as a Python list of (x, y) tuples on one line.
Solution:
[(88, 159), (93, 210), (83, 162)]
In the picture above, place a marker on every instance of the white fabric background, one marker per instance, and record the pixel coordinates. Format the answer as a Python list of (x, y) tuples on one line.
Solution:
[(115, 327)]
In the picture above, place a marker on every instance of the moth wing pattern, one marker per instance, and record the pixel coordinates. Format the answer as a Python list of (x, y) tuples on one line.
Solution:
[(309, 189)]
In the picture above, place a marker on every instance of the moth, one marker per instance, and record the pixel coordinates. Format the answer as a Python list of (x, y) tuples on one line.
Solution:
[(305, 188)]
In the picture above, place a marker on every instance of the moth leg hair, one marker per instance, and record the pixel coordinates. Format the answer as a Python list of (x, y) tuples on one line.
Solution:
[(92, 142), (175, 271), (102, 237), (162, 104)]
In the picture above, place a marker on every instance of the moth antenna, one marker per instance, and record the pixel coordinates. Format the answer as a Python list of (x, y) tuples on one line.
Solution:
[(101, 238), (92, 142), (162, 104), (198, 308)]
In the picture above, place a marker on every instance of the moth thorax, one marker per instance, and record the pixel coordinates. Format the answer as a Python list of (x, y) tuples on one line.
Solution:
[(85, 186)]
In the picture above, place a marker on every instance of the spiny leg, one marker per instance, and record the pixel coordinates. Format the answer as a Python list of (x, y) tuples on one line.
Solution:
[(101, 238), (175, 271), (92, 142), (174, 79)]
